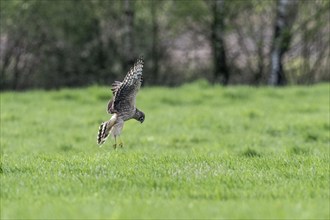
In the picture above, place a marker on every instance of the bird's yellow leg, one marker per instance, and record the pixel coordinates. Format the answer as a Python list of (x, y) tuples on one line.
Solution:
[(121, 144), (115, 144)]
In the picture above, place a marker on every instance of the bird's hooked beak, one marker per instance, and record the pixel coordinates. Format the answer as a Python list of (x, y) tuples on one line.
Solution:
[(141, 121)]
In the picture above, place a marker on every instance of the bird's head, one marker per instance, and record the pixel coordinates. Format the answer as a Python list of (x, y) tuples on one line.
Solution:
[(139, 116)]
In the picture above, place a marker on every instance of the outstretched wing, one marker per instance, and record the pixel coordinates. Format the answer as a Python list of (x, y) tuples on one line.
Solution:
[(124, 93), (115, 86)]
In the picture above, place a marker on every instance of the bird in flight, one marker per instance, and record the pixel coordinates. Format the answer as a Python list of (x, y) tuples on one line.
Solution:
[(122, 105)]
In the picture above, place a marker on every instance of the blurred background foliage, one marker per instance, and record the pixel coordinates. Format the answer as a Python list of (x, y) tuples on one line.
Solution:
[(71, 43)]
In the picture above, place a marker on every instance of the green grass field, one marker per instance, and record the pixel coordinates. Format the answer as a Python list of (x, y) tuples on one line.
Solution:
[(203, 152)]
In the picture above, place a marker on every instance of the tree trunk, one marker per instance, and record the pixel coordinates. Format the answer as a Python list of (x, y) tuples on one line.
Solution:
[(155, 42), (260, 72), (220, 69), (285, 15), (128, 38)]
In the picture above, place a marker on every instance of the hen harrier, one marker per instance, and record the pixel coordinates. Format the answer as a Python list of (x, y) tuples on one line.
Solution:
[(122, 104)]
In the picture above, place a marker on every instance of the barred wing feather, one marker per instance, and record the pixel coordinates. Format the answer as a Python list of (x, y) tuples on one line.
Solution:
[(125, 91)]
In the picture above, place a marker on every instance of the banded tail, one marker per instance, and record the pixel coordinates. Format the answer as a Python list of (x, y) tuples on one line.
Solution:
[(104, 129)]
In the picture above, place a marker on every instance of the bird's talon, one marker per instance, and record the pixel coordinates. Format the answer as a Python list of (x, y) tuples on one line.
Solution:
[(114, 146)]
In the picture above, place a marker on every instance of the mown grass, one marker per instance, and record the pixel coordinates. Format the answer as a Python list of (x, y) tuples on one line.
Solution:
[(203, 152)]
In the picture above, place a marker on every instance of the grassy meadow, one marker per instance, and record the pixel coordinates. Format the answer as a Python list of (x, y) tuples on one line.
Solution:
[(203, 152)]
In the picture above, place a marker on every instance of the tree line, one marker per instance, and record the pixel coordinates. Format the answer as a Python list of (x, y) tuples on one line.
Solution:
[(70, 43)]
